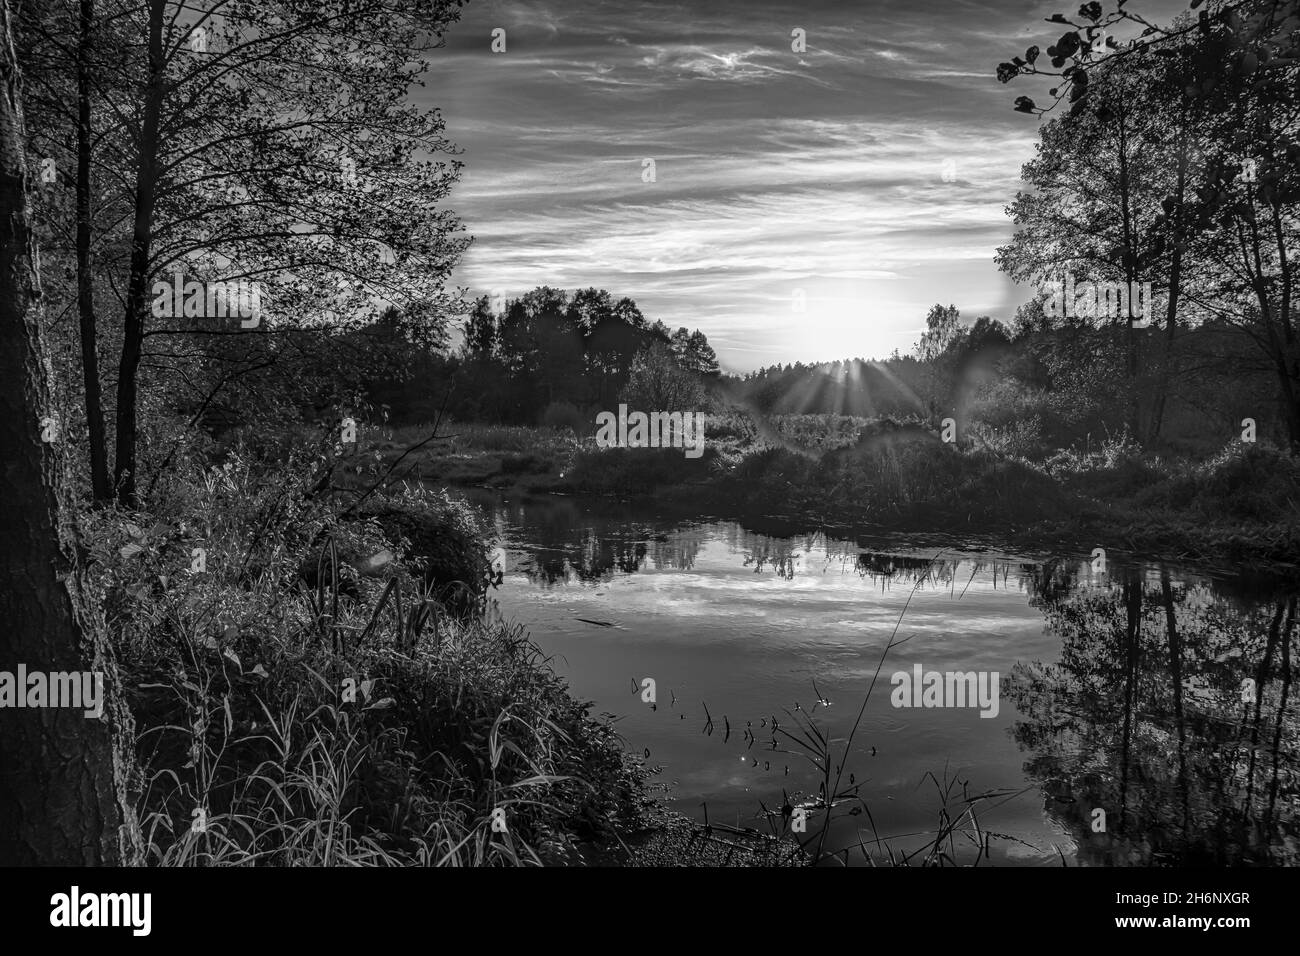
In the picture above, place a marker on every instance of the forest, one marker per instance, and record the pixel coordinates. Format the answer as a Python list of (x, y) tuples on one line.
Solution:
[(240, 506)]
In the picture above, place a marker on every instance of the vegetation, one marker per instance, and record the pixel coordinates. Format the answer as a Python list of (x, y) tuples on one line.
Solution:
[(317, 691), (300, 658)]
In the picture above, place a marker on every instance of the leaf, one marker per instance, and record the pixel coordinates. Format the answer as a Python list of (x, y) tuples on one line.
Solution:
[(228, 653), (230, 718), (260, 671), (130, 550), (1024, 104), (134, 531), (382, 704)]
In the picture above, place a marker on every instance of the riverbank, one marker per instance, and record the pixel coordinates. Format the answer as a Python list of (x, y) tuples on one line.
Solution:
[(1240, 506), (312, 680)]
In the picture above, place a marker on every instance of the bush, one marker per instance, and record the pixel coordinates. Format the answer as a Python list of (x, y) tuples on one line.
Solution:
[(567, 415), (1022, 420), (1117, 470), (445, 540), (300, 727), (1243, 482)]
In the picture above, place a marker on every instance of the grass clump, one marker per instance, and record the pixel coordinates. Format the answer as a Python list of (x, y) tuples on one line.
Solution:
[(371, 716)]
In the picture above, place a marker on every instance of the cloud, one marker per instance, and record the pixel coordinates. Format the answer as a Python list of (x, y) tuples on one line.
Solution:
[(775, 170)]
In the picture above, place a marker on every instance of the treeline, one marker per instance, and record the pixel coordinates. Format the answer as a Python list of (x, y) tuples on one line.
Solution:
[(1040, 384), (552, 357)]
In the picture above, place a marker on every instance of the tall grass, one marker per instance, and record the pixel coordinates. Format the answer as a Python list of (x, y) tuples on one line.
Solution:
[(309, 695)]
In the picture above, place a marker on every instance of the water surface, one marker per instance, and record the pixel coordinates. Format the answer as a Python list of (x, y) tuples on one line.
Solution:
[(1126, 690)]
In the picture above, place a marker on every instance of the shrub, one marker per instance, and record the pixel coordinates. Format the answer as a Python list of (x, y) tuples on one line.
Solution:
[(236, 677), (1243, 482), (567, 415), (445, 539)]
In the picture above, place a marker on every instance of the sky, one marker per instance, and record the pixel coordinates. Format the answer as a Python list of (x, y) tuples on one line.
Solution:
[(867, 176)]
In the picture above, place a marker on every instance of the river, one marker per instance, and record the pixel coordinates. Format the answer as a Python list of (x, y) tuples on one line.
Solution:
[(1144, 713)]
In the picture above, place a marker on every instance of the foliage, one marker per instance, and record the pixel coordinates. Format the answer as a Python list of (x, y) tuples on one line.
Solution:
[(238, 672)]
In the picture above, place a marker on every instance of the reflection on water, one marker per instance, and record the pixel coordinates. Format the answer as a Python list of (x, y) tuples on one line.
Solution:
[(1162, 698)]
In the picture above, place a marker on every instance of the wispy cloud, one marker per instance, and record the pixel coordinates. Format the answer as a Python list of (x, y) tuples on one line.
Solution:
[(776, 170)]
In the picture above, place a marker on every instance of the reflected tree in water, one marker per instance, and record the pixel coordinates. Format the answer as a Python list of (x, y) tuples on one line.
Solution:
[(1169, 710)]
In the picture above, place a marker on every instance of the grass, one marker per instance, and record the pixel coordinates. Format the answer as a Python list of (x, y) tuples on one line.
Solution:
[(372, 715), (498, 456), (1240, 504)]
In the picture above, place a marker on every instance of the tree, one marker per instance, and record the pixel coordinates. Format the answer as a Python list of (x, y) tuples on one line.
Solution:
[(1231, 80), (269, 144), (1095, 187), (693, 352), (63, 776), (56, 73), (481, 332), (659, 384), (942, 327)]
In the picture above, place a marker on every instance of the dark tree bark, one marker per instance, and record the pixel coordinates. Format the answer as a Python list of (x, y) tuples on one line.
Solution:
[(146, 189), (1174, 287), (63, 793), (100, 487)]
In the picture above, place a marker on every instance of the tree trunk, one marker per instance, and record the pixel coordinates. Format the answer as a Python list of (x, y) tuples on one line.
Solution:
[(63, 794), (1281, 709), (1174, 289), (1132, 637), (124, 464), (1130, 252), (98, 440), (1176, 678)]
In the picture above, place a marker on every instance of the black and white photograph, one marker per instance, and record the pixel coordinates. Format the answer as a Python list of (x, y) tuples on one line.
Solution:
[(648, 436)]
